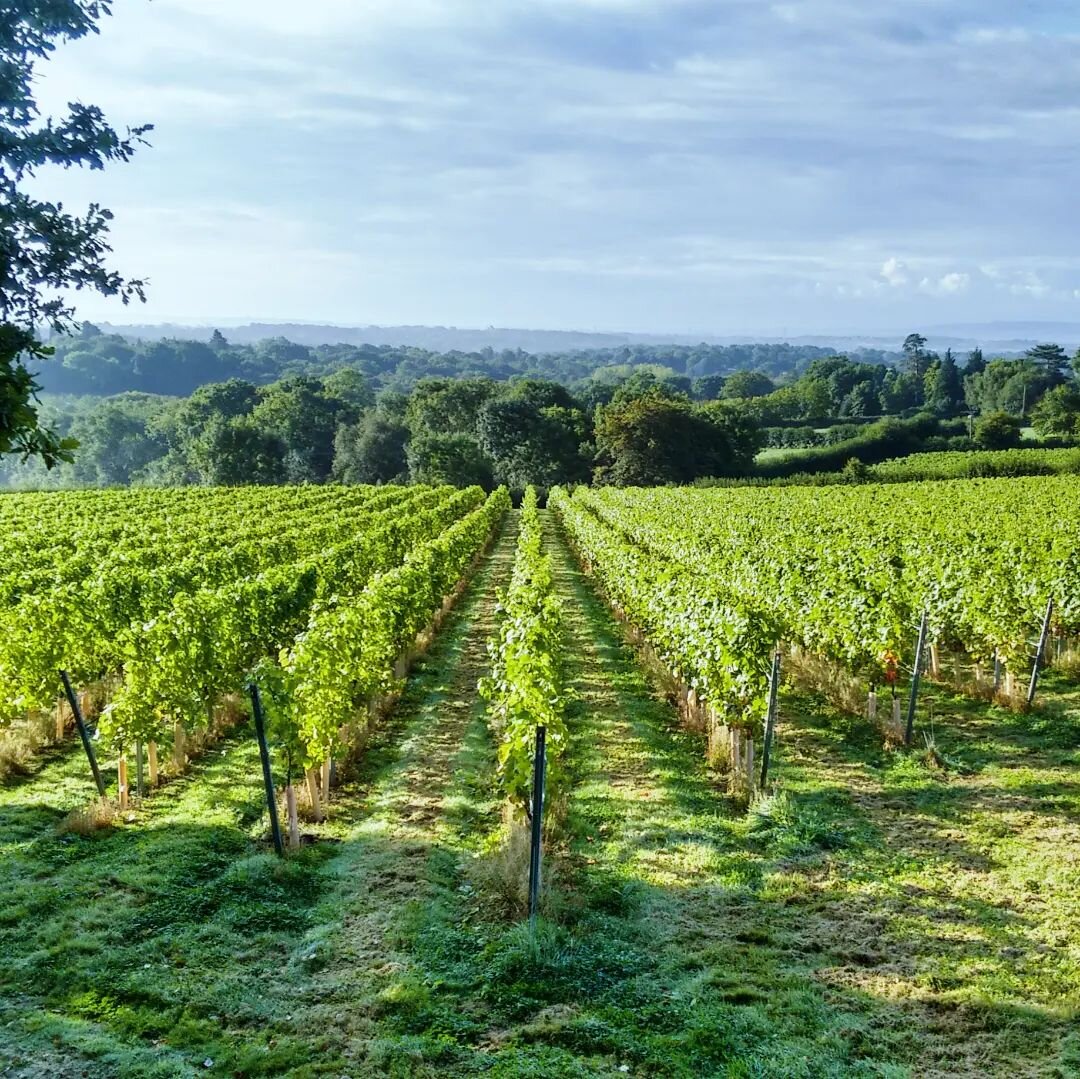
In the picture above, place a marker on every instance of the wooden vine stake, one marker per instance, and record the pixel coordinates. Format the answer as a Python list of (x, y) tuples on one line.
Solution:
[(294, 822), (311, 776), (140, 789), (122, 780), (326, 782), (151, 760), (179, 746)]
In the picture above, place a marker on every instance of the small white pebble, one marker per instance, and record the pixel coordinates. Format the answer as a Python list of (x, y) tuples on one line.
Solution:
[(207, 1063), (624, 1067)]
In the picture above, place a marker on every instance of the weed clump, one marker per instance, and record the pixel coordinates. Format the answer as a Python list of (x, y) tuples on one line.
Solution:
[(792, 827)]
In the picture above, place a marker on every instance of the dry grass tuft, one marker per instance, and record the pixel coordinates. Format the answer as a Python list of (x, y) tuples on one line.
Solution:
[(1068, 662), (818, 675), (21, 740), (89, 819), (503, 873)]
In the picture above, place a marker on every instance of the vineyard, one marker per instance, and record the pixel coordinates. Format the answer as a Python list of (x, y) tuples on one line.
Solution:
[(808, 800)]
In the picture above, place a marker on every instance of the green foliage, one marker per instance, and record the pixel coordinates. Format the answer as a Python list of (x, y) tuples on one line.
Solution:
[(943, 386), (47, 251), (717, 642), (457, 459), (347, 654), (747, 384), (714, 577), (1058, 412), (790, 826), (875, 442), (526, 686), (997, 431), (1052, 358), (372, 451), (533, 442), (1007, 386), (978, 464), (656, 439), (443, 406), (297, 412)]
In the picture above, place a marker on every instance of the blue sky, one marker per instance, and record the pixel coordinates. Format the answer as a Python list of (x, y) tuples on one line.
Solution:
[(733, 166)]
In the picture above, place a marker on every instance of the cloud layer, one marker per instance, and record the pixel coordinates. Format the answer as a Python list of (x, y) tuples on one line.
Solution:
[(679, 165)]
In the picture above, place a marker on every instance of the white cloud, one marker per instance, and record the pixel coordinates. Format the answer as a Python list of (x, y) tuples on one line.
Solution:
[(953, 282), (894, 271), (1030, 284)]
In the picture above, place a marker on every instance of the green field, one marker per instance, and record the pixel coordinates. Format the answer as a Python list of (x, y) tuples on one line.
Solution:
[(880, 912)]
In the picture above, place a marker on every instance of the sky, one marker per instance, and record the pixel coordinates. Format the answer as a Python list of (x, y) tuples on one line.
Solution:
[(670, 166)]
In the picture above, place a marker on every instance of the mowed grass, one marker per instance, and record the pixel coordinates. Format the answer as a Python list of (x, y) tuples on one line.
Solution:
[(885, 914)]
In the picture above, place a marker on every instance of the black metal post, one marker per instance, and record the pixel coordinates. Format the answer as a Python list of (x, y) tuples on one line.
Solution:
[(539, 771), (268, 779), (1034, 683), (916, 674), (84, 734), (770, 717)]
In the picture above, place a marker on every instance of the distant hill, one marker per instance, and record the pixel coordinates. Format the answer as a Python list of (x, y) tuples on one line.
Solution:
[(435, 338), (996, 338)]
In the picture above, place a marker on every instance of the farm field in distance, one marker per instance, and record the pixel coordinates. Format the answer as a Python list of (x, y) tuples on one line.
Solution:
[(879, 906)]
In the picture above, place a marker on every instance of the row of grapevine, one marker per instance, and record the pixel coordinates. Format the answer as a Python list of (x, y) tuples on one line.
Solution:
[(847, 572), (526, 687), (37, 553), (322, 691), (96, 626), (713, 643), (714, 579), (207, 642), (324, 610)]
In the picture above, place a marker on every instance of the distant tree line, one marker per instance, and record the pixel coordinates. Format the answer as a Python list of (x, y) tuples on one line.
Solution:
[(304, 429), (93, 362), (628, 422)]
